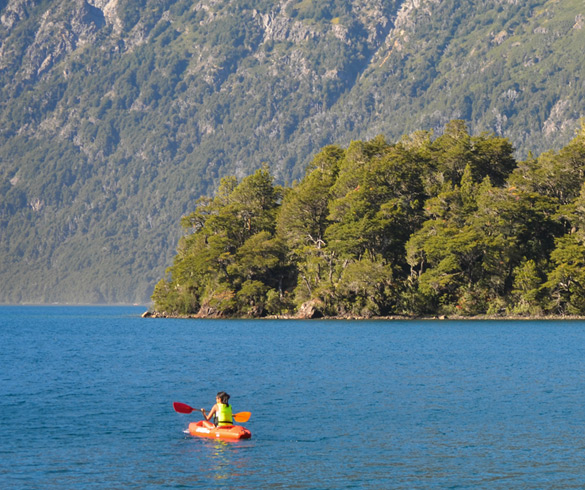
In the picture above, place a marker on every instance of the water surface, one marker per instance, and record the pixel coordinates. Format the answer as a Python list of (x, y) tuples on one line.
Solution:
[(86, 402)]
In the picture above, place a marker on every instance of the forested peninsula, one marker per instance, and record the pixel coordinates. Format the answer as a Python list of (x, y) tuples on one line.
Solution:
[(446, 226)]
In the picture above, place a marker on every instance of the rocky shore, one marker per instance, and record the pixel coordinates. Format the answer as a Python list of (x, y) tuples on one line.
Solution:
[(311, 310)]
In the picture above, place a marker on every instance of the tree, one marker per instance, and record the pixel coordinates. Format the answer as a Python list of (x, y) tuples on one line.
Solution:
[(378, 215), (302, 219), (418, 227), (365, 289), (526, 293), (566, 281), (232, 243)]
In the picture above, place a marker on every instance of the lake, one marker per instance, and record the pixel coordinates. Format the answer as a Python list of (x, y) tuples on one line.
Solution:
[(86, 399)]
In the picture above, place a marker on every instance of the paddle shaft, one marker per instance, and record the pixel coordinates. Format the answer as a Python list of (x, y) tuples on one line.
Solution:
[(184, 408)]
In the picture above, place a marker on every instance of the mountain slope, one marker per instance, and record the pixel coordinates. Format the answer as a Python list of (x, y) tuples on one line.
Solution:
[(116, 115), (505, 68)]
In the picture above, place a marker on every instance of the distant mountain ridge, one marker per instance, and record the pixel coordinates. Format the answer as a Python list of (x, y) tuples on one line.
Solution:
[(116, 115)]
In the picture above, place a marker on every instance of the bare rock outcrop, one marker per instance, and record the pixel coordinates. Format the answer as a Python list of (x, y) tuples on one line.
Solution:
[(311, 309)]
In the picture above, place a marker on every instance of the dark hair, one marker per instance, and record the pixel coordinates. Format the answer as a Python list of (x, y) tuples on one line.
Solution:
[(224, 397)]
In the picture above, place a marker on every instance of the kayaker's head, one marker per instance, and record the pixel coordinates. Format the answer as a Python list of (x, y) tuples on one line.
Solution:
[(223, 397)]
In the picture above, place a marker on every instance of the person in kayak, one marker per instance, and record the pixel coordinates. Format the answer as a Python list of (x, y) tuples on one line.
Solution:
[(222, 411)]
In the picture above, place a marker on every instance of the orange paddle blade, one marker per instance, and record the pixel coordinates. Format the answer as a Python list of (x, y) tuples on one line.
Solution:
[(242, 416)]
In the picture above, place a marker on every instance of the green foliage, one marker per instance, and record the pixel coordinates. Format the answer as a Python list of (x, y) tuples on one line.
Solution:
[(115, 121), (319, 10), (566, 281), (363, 289), (526, 292), (420, 227), (232, 259)]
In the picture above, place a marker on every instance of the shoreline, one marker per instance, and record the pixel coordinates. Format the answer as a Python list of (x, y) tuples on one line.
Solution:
[(195, 316)]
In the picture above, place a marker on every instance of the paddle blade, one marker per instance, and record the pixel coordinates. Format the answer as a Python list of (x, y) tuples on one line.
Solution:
[(182, 407), (242, 416)]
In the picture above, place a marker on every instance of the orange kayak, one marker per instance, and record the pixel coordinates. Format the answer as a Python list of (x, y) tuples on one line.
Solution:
[(207, 429)]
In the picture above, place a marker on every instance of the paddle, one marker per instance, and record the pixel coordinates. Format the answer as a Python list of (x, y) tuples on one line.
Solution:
[(184, 408)]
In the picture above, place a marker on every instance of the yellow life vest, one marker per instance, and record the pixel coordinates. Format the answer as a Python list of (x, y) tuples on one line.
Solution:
[(224, 415)]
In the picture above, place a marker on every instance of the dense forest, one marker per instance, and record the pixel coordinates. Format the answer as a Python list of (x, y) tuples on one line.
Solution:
[(451, 225), (117, 115)]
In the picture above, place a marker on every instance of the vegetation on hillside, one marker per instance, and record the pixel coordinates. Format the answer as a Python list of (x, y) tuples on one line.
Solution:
[(450, 225), (115, 117)]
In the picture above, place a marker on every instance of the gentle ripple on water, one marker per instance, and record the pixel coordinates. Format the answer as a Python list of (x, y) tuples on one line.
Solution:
[(86, 393)]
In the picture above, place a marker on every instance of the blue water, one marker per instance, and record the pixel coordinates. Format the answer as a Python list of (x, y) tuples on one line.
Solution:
[(86, 402)]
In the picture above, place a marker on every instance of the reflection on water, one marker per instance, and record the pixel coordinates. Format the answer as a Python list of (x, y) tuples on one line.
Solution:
[(226, 460), (219, 461)]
